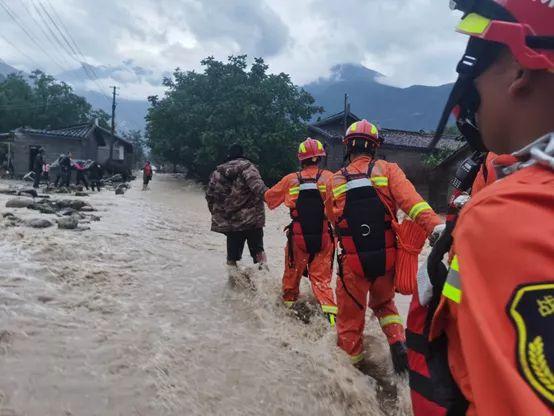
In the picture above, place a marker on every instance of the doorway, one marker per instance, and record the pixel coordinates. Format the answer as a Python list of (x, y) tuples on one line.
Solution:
[(33, 151)]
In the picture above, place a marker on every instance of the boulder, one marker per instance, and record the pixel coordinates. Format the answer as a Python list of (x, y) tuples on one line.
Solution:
[(39, 223), (120, 190), (87, 208), (43, 208), (28, 192), (68, 223), (19, 203), (76, 204), (66, 211), (8, 191), (81, 194)]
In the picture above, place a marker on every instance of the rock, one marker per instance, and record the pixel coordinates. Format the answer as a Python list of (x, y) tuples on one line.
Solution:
[(8, 191), (120, 190), (76, 204), (87, 208), (79, 193), (19, 203), (68, 223), (115, 178), (94, 218), (11, 220), (45, 299), (43, 208), (66, 211), (82, 228), (8, 214), (39, 223), (28, 192)]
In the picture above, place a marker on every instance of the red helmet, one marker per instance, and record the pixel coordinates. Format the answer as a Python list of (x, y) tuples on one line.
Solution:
[(310, 148), (525, 26), (363, 130)]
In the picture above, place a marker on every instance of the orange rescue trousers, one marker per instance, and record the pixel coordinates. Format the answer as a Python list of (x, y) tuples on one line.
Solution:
[(352, 303), (319, 273)]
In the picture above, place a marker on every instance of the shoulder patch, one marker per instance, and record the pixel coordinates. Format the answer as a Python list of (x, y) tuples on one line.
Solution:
[(531, 310)]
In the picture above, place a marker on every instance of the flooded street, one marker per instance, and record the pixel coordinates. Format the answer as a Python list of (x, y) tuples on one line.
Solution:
[(137, 317)]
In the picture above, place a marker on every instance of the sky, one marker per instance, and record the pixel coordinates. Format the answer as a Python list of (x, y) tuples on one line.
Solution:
[(134, 43)]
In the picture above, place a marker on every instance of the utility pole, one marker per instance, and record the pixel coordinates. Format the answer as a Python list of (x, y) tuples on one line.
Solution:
[(114, 105), (346, 112)]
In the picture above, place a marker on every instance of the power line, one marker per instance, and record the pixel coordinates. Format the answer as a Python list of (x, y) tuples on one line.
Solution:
[(13, 45), (72, 52), (15, 19), (71, 38), (47, 35)]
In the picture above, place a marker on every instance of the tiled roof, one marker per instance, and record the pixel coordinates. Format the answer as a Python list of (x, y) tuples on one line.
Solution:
[(414, 139), (335, 117), (78, 131)]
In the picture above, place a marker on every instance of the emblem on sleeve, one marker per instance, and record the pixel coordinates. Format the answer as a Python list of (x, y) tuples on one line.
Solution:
[(531, 309)]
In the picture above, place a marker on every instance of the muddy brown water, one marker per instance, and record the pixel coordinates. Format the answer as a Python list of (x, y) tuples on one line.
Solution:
[(137, 317)]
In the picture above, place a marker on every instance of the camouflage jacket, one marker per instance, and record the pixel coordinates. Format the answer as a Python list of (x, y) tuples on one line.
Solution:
[(235, 197)]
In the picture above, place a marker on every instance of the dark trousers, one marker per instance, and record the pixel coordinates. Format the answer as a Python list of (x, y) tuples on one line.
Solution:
[(236, 240), (36, 181), (81, 178)]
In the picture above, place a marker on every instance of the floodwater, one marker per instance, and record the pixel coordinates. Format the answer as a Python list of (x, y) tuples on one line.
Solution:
[(137, 317)]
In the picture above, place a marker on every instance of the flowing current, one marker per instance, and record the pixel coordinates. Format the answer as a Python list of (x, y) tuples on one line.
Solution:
[(137, 317)]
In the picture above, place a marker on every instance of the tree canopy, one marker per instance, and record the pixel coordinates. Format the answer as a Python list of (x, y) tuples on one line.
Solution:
[(202, 114), (42, 102)]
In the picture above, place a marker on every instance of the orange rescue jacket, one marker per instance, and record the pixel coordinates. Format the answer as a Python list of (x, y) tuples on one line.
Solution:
[(497, 307), (394, 189)]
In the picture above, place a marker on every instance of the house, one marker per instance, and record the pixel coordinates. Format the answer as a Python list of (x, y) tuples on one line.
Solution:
[(409, 149), (87, 141)]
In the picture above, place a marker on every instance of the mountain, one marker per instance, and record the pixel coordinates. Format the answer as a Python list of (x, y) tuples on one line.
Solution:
[(414, 108), (129, 113)]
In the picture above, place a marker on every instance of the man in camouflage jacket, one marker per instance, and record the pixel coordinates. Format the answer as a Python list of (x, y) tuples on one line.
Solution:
[(235, 199)]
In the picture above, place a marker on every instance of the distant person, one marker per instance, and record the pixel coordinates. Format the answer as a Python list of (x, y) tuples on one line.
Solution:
[(46, 173), (95, 173), (65, 170), (80, 169), (146, 175), (235, 198), (37, 167)]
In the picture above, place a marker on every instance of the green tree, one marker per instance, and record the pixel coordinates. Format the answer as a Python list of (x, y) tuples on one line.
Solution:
[(43, 102), (139, 144), (201, 114)]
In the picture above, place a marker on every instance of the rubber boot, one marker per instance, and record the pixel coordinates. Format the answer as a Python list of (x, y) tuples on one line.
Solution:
[(399, 354)]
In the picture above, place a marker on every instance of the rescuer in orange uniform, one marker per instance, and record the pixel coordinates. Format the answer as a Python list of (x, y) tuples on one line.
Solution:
[(310, 245), (497, 304), (364, 199)]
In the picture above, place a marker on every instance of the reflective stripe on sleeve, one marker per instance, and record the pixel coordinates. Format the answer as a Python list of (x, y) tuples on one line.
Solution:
[(380, 181), (453, 286), (389, 320), (418, 209), (339, 190), (295, 190)]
